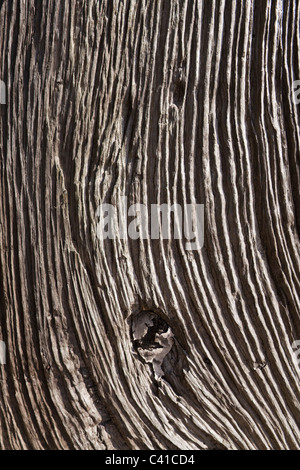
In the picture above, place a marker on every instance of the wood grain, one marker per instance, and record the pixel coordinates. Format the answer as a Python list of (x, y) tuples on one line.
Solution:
[(182, 101)]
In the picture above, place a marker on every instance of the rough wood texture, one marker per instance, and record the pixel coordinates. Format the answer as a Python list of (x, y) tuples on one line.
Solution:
[(161, 101)]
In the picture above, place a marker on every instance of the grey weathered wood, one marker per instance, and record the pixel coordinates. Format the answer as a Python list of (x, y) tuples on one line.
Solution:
[(163, 101)]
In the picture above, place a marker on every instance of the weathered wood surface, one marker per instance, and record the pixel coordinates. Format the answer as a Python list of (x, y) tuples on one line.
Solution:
[(161, 101)]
